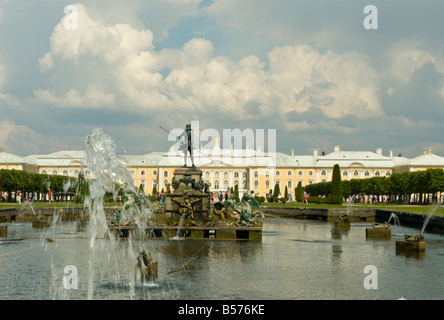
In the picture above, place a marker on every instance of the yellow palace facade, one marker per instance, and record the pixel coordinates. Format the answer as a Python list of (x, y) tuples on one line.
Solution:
[(251, 170)]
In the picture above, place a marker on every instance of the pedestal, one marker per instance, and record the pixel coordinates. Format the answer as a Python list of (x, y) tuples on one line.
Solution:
[(378, 233)]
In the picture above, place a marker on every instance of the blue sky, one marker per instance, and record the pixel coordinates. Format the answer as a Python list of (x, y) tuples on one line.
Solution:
[(306, 68)]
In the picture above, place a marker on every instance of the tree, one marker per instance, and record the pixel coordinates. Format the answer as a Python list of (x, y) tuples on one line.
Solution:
[(336, 186), (236, 193), (298, 191), (286, 193), (276, 192)]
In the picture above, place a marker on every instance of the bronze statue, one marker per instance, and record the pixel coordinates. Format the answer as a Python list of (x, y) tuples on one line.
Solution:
[(187, 143)]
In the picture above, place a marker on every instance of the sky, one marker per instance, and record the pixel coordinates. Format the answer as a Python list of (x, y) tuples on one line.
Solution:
[(313, 70)]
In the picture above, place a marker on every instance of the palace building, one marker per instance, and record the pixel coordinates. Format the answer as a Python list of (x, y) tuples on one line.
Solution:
[(251, 170)]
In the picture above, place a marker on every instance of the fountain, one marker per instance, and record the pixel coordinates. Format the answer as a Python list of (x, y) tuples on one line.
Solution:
[(395, 219), (416, 243), (111, 176)]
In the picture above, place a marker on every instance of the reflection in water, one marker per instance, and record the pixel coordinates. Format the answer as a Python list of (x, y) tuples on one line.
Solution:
[(296, 259)]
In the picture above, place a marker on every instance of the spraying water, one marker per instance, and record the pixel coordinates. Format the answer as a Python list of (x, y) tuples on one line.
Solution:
[(111, 175), (395, 219), (426, 221)]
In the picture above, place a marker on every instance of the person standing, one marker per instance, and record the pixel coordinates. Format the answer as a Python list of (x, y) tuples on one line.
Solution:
[(49, 196)]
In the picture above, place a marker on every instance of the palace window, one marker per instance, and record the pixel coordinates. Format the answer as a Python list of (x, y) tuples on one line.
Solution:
[(216, 175), (245, 175), (356, 173), (43, 171), (256, 174), (345, 173), (323, 173), (244, 183), (54, 172), (267, 184), (300, 173), (278, 173), (236, 174), (225, 175), (256, 184), (388, 173), (225, 184), (207, 175), (165, 174), (154, 173), (377, 174), (367, 173), (267, 174), (289, 173), (65, 172), (289, 184), (132, 173), (310, 173), (216, 184), (142, 173)]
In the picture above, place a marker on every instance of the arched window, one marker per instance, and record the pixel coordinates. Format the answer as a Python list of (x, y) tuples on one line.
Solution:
[(65, 172), (345, 173), (388, 173), (377, 174), (43, 171), (165, 174), (300, 173), (154, 173), (54, 172), (236, 174), (310, 173), (323, 173), (367, 173), (225, 175), (244, 184), (256, 174), (225, 184), (142, 173), (289, 184), (216, 175), (216, 184), (207, 175), (132, 173), (236, 182), (278, 173), (143, 183), (245, 175), (267, 184), (267, 174), (289, 173), (356, 173), (256, 184)]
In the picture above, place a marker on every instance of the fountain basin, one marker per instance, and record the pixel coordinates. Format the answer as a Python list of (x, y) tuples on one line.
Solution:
[(414, 246), (378, 232), (3, 231), (193, 232)]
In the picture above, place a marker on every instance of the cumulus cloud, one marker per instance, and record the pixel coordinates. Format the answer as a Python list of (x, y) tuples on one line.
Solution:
[(192, 78)]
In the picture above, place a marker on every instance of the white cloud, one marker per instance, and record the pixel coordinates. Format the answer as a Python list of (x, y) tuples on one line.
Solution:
[(117, 66)]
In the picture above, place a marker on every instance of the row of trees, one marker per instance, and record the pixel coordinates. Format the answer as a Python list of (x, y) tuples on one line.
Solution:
[(418, 186), (36, 186)]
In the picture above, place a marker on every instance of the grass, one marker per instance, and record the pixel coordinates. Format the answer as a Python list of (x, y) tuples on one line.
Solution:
[(395, 206)]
